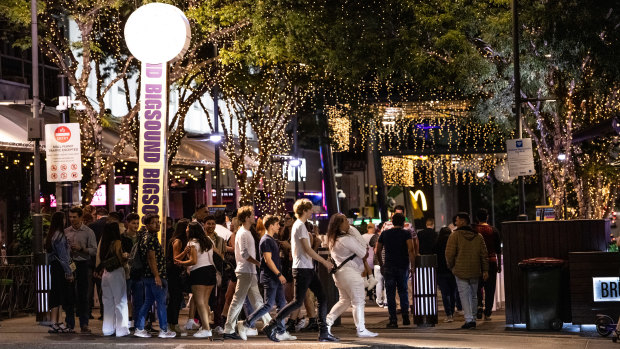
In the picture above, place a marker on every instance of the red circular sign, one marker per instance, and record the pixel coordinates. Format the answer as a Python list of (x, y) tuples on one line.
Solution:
[(62, 134)]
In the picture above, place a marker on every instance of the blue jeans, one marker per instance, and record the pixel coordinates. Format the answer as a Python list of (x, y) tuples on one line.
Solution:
[(135, 290), (396, 279), (154, 294), (468, 289), (273, 295), (447, 286)]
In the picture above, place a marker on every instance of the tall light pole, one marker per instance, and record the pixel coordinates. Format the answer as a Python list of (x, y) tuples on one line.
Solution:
[(40, 261), (517, 84)]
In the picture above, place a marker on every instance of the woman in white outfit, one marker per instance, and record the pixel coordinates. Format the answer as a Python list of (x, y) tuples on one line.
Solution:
[(348, 253), (113, 284)]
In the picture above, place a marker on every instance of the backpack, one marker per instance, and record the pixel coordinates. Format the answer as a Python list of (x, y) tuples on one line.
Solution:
[(136, 264)]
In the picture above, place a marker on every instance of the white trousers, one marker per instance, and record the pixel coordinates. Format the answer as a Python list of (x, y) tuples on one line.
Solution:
[(380, 288), (115, 311), (351, 293), (247, 285)]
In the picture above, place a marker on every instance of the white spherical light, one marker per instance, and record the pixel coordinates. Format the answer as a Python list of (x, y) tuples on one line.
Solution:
[(157, 33)]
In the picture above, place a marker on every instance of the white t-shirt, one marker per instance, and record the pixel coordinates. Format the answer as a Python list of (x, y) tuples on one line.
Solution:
[(223, 232), (204, 259), (244, 248), (301, 260)]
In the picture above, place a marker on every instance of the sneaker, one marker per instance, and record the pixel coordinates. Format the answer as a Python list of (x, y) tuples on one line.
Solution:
[(392, 324), (251, 332), (448, 318), (290, 326), (142, 333), (203, 333), (285, 337), (372, 282), (242, 329), (191, 325), (301, 324), (479, 313), (380, 304), (469, 325), (313, 326), (233, 335), (329, 329), (366, 334), (487, 318), (167, 334)]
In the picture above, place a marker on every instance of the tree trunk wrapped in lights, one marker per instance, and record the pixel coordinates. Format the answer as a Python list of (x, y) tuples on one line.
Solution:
[(263, 100)]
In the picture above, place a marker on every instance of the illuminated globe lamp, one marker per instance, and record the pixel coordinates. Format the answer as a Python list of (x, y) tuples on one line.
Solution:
[(157, 33)]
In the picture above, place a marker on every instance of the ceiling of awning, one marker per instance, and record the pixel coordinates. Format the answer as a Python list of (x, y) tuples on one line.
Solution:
[(14, 137)]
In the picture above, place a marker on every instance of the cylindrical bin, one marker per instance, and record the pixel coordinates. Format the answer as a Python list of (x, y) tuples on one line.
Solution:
[(543, 280), (329, 286), (424, 286)]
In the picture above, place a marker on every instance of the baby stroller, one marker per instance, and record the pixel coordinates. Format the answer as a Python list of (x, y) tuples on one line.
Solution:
[(605, 326)]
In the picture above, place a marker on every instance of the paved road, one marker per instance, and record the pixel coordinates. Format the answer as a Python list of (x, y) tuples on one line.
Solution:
[(23, 332)]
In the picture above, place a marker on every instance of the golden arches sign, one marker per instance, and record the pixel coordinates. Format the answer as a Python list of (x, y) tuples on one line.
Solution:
[(419, 195)]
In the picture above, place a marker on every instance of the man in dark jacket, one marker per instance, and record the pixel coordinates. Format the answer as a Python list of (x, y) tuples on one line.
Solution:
[(493, 241), (466, 256)]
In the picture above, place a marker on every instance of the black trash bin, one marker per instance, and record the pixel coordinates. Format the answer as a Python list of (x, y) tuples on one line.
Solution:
[(543, 280)]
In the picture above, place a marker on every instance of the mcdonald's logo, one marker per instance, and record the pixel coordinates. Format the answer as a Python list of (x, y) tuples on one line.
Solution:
[(419, 195)]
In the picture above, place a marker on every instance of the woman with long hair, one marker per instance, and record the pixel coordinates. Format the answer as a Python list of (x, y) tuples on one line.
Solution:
[(177, 244), (348, 255), (113, 284), (61, 293), (202, 272)]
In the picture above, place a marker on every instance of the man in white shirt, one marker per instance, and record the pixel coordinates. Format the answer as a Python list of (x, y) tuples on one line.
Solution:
[(247, 284), (304, 276)]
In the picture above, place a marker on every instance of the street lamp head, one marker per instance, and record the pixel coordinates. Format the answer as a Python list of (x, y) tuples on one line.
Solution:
[(215, 138), (295, 162), (562, 157), (480, 174)]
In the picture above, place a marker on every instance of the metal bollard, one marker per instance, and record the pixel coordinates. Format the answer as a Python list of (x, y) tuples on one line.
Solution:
[(424, 287)]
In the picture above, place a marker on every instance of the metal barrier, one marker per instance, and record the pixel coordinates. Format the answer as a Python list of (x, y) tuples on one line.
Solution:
[(16, 285)]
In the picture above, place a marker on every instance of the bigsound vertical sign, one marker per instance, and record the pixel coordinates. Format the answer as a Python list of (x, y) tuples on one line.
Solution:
[(152, 169), (155, 34)]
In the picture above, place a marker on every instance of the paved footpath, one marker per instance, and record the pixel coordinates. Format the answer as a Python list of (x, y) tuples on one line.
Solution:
[(24, 332)]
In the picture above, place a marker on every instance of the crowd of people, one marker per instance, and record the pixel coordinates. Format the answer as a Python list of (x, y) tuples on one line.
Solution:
[(220, 266)]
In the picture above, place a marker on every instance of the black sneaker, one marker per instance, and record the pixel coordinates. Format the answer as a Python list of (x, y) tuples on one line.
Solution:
[(313, 326), (328, 337), (406, 321), (270, 331), (233, 335), (479, 313), (392, 324), (469, 325)]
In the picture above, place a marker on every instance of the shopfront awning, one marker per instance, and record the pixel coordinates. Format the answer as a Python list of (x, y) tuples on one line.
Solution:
[(14, 137)]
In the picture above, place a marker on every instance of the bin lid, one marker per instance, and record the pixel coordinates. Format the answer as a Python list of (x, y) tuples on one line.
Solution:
[(541, 262)]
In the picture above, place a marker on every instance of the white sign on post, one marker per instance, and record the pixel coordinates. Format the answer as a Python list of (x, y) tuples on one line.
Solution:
[(520, 157), (63, 152)]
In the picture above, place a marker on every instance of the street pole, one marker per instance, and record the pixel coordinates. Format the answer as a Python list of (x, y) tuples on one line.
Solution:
[(517, 83), (216, 111), (66, 187), (296, 154), (41, 274), (216, 116)]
